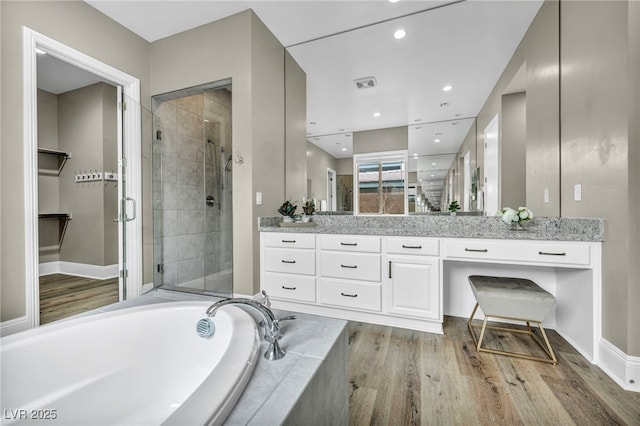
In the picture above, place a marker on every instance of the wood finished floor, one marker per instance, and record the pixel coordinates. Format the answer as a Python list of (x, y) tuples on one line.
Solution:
[(62, 296), (403, 377)]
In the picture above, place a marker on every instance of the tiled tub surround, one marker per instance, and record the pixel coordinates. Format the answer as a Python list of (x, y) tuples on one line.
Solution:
[(308, 386), (410, 271), (540, 228)]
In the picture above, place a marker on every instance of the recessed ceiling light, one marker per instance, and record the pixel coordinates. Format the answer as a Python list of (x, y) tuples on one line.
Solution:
[(447, 88), (436, 140), (40, 51), (394, 1), (376, 114), (433, 164), (399, 34), (344, 149), (432, 175)]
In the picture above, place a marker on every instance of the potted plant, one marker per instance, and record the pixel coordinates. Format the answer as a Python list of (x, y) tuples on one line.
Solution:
[(454, 207), (308, 208), (287, 210), (515, 218)]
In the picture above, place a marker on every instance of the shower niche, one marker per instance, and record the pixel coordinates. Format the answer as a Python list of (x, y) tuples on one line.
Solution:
[(192, 189)]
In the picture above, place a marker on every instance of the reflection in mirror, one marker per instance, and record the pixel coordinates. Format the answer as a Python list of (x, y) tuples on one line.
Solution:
[(419, 84), (381, 183)]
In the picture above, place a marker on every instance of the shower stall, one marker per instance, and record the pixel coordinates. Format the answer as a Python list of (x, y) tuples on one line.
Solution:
[(192, 189)]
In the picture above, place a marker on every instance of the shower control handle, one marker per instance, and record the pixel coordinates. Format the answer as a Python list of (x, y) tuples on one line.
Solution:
[(210, 201)]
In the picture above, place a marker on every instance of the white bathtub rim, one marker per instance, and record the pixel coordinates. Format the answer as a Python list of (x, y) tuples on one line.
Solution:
[(199, 402), (240, 319)]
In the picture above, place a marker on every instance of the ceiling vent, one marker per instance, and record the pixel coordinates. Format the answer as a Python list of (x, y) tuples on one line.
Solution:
[(365, 83)]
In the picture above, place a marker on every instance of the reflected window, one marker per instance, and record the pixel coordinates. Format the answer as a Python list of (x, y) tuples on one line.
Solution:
[(381, 183)]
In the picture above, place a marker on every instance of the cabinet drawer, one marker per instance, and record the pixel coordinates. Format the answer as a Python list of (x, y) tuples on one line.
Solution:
[(290, 261), (289, 240), (359, 243), (354, 266), (293, 287), (349, 295), (520, 251), (420, 246)]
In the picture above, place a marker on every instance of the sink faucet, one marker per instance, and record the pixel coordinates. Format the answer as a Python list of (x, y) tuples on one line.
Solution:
[(269, 321)]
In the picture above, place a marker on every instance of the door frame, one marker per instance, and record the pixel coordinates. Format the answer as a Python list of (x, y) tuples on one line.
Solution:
[(332, 201), (131, 131), (493, 128)]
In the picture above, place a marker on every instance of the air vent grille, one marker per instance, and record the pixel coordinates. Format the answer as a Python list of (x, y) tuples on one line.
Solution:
[(365, 83)]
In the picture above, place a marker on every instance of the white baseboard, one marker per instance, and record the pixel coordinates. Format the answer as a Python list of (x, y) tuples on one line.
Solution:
[(622, 368), (14, 326), (79, 270)]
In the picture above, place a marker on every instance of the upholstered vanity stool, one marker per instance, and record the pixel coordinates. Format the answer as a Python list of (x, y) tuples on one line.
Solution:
[(511, 299)]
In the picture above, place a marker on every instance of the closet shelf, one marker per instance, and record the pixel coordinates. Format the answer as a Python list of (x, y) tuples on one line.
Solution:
[(62, 159), (63, 219)]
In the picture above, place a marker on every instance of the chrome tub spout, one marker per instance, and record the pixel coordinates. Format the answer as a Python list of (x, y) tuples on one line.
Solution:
[(269, 322)]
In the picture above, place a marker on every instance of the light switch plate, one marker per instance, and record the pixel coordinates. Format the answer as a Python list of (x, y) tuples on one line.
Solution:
[(577, 192), (258, 198), (546, 195)]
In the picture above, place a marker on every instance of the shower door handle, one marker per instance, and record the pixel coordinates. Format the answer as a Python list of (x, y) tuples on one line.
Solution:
[(123, 215), (129, 219)]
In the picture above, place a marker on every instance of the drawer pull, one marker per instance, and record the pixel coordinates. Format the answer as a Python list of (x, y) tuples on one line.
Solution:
[(544, 253), (288, 241), (348, 295), (411, 247), (349, 244), (288, 261), (389, 269), (288, 288), (476, 250), (349, 266)]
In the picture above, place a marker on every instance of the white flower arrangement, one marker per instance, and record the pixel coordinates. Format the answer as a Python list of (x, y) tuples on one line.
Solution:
[(511, 216)]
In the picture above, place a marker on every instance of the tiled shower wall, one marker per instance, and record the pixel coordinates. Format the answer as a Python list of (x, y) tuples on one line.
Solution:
[(192, 240)]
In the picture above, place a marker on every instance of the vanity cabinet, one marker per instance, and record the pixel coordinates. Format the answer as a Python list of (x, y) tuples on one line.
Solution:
[(289, 266), (350, 271), (413, 277), (392, 281)]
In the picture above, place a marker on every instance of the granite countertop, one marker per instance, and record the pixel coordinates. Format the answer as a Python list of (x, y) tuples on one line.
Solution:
[(275, 386), (540, 228)]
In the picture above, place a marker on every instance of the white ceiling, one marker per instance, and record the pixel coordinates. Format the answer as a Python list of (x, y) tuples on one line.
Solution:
[(465, 44)]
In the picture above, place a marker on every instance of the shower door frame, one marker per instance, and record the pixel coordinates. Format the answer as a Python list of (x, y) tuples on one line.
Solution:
[(131, 134)]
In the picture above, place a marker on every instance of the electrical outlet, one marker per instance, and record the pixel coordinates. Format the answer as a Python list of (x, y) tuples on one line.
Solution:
[(577, 192)]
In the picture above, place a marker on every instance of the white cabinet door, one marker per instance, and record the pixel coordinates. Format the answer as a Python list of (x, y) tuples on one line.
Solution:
[(413, 287)]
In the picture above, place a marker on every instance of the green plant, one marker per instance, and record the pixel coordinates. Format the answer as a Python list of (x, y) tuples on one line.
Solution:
[(454, 206), (287, 209), (309, 207)]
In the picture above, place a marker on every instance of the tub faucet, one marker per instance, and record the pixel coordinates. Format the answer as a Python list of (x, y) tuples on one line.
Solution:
[(269, 322)]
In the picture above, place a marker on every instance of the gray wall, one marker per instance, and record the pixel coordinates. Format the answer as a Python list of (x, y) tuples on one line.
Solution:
[(598, 108), (86, 124), (80, 26), (513, 145), (296, 129), (317, 163), (48, 185), (391, 139), (239, 47), (595, 147)]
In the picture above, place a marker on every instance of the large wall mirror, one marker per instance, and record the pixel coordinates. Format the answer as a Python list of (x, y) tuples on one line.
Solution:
[(442, 84)]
